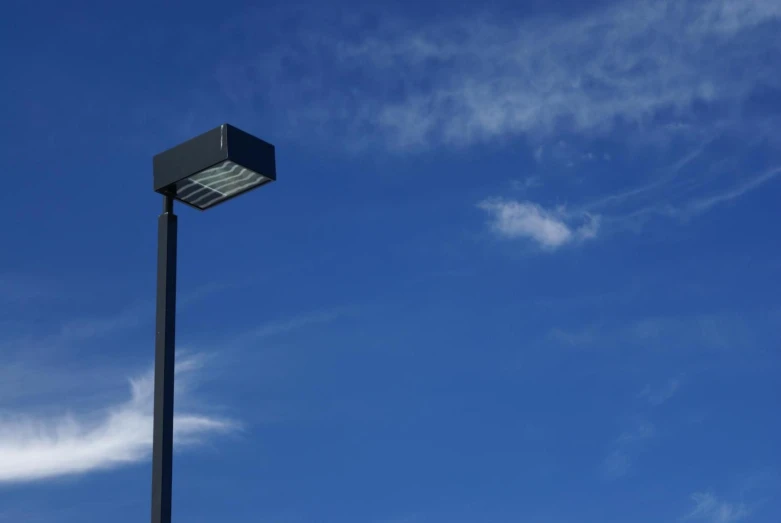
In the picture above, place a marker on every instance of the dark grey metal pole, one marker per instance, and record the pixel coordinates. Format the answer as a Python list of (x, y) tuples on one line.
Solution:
[(162, 445)]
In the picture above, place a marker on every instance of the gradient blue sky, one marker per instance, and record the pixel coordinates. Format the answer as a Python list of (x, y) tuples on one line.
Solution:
[(521, 263)]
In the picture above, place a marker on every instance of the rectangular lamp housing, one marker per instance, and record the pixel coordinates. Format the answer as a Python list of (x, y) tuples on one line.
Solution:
[(214, 167)]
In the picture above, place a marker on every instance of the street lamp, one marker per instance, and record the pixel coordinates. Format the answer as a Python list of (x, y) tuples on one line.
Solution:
[(202, 172)]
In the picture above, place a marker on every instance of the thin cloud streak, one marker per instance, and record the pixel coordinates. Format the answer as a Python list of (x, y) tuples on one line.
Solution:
[(705, 204), (620, 460), (658, 396), (275, 328), (666, 176), (282, 327), (711, 509), (121, 434), (665, 208), (128, 318)]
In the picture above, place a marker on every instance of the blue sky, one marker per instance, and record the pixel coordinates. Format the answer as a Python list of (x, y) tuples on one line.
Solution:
[(520, 264)]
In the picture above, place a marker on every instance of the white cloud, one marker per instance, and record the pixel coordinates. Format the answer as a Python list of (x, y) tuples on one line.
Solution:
[(550, 229), (460, 81), (38, 449), (713, 510)]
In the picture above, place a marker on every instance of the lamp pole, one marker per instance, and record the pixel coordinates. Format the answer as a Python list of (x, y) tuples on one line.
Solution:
[(163, 434), (202, 172)]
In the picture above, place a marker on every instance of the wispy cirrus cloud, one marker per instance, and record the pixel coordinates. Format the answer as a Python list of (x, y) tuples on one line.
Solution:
[(749, 183), (664, 199), (72, 331), (634, 439), (34, 449), (550, 229), (635, 71), (702, 190), (94, 327), (641, 64), (658, 395), (710, 509), (709, 333), (301, 321)]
